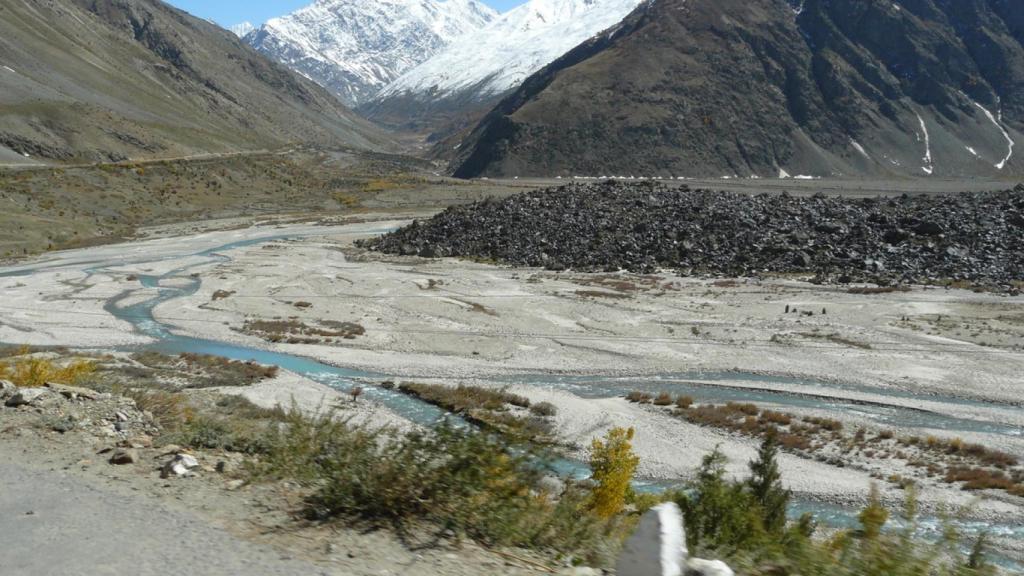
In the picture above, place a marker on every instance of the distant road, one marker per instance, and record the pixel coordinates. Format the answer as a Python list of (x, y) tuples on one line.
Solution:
[(209, 156)]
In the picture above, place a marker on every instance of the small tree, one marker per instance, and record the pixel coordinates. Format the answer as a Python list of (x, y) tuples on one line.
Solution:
[(719, 513), (356, 393), (874, 516), (765, 485), (614, 464)]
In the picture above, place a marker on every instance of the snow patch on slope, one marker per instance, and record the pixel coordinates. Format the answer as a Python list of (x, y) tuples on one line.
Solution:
[(859, 148), (1006, 135), (520, 42), (928, 167)]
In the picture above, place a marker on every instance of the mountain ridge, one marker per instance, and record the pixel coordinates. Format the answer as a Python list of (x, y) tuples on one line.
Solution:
[(110, 80), (355, 48), (700, 88), (474, 71)]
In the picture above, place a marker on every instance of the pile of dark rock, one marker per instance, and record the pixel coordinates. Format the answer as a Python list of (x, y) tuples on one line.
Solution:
[(972, 239)]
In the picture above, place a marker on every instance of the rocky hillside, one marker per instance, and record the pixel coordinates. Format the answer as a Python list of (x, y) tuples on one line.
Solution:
[(99, 80), (477, 69), (354, 48), (772, 88), (641, 227)]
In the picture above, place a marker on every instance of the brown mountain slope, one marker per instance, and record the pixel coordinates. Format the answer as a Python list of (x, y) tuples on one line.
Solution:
[(97, 80), (771, 87)]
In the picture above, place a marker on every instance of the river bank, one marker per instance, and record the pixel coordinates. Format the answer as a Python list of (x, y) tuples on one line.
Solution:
[(302, 290)]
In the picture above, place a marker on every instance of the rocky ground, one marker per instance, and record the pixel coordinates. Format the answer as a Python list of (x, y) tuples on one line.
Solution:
[(92, 475), (970, 239)]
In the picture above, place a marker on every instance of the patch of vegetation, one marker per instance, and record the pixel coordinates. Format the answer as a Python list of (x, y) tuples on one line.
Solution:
[(32, 371), (638, 397), (189, 370), (952, 460), (544, 409), (878, 289), (743, 523), (602, 294), (497, 410), (294, 331), (613, 464), (456, 480), (836, 338)]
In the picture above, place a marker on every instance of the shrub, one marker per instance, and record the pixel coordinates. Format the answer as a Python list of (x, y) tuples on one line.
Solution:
[(743, 408), (873, 517), (613, 464), (170, 410), (719, 514), (766, 485), (33, 372), (724, 519), (978, 478), (772, 417), (638, 397), (829, 424), (684, 402), (663, 399), (464, 398), (455, 479), (544, 409)]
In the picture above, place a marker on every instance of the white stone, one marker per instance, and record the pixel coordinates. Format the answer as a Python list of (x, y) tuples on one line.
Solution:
[(30, 396), (699, 567), (180, 465)]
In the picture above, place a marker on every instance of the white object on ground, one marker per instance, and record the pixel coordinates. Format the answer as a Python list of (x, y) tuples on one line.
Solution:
[(657, 547), (708, 567), (181, 465)]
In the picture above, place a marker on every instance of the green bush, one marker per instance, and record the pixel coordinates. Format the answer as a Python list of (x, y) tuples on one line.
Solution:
[(454, 479), (739, 523)]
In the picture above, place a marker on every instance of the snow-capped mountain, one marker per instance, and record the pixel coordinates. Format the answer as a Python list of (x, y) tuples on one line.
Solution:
[(499, 57), (242, 29), (355, 47)]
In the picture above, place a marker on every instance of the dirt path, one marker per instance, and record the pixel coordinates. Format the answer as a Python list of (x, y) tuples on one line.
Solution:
[(54, 523)]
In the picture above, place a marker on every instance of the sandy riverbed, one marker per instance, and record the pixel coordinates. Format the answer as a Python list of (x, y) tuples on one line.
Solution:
[(462, 321)]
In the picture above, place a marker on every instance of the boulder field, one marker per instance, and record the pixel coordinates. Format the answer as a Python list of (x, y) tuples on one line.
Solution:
[(970, 239)]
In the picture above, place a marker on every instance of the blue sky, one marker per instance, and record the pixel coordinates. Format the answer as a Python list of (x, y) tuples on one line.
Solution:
[(228, 12)]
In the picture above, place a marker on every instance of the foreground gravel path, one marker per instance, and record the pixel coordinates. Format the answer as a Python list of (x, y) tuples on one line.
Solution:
[(53, 523)]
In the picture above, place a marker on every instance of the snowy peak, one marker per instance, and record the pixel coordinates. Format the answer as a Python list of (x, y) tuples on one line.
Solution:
[(242, 29), (356, 47), (497, 58)]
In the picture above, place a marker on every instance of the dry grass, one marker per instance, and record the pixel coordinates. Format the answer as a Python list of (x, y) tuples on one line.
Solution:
[(198, 370), (638, 397), (980, 479), (663, 399), (34, 371), (293, 331)]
